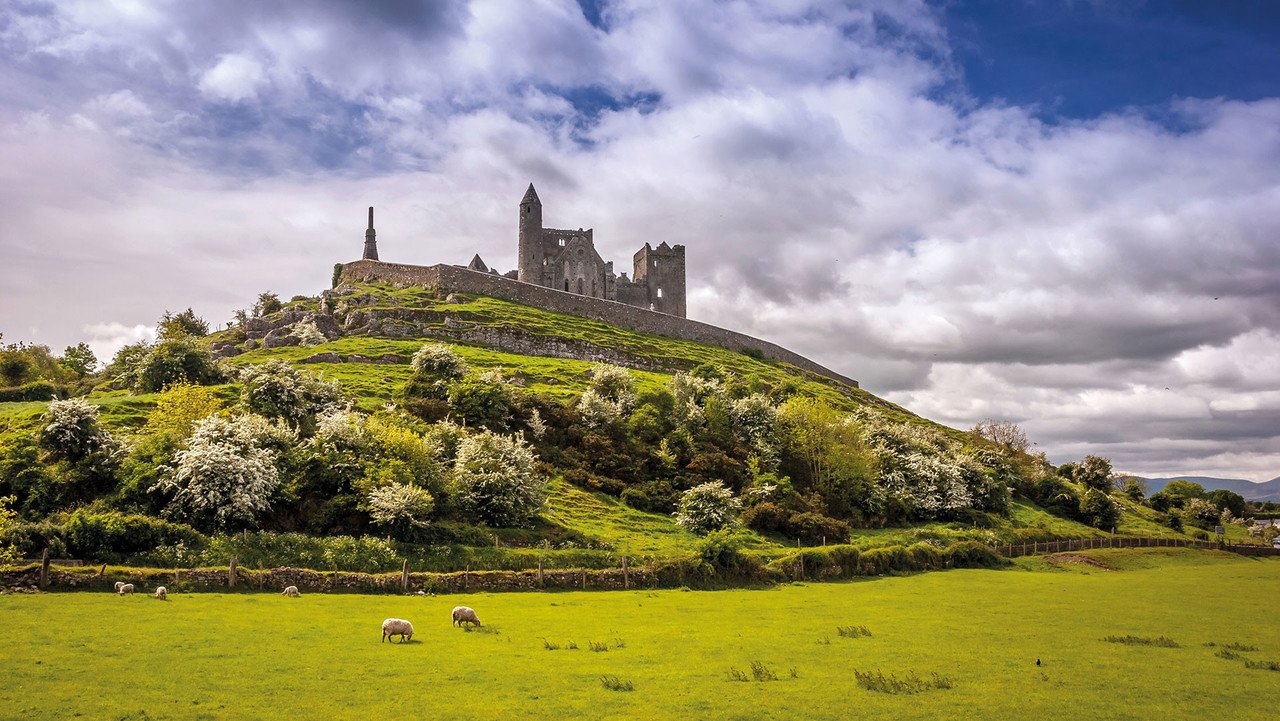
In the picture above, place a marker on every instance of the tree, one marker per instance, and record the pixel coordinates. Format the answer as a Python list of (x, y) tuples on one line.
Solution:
[(70, 431), (179, 407), (1093, 472), (1135, 489), (1098, 510), (176, 360), (1226, 500), (1005, 433), (181, 325), (400, 508), (224, 478), (267, 304), (495, 481), (1201, 512), (79, 359), (1175, 494), (276, 389), (708, 507), (437, 361), (610, 398)]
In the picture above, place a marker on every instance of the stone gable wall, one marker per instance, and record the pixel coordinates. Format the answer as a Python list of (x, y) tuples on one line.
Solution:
[(450, 278)]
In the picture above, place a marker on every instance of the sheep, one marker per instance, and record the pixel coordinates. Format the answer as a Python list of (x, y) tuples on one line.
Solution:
[(397, 627), (118, 585), (290, 591), (125, 588), (162, 593), (464, 614)]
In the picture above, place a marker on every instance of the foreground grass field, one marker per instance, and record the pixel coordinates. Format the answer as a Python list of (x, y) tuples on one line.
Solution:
[(265, 656)]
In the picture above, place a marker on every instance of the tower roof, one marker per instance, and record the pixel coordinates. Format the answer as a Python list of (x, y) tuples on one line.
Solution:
[(477, 264), (530, 196)]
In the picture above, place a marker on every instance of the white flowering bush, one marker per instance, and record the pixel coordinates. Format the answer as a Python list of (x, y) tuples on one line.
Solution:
[(495, 481), (278, 390), (439, 361), (400, 508), (224, 478), (708, 507), (308, 334), (610, 398), (341, 430), (70, 431)]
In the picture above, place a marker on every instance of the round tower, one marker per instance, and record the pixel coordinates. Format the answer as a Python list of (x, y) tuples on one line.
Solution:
[(370, 239), (529, 268)]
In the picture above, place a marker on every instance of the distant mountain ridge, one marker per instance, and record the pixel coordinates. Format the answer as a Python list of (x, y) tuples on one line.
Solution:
[(1265, 491)]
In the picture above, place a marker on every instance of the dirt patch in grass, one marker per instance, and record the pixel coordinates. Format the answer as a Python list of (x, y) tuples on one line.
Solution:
[(1061, 559)]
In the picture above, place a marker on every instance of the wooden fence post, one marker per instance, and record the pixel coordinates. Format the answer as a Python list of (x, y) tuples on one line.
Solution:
[(44, 569), (404, 576), (539, 571), (466, 578), (231, 574), (626, 578)]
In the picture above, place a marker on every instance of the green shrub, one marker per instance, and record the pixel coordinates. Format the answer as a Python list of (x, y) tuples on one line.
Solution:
[(34, 391), (112, 536)]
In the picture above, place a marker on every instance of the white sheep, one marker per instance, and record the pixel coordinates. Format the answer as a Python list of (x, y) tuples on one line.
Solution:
[(464, 614), (125, 588), (290, 591), (397, 627), (118, 585), (162, 593)]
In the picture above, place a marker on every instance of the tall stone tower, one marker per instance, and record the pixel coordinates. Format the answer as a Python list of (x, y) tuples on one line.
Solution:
[(661, 271), (370, 239), (530, 268)]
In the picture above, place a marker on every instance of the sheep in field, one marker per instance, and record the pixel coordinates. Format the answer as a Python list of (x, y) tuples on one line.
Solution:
[(290, 591), (125, 588), (464, 614), (118, 585), (397, 627), (162, 593)]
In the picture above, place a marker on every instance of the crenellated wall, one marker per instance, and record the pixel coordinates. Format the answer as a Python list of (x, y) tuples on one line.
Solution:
[(451, 278)]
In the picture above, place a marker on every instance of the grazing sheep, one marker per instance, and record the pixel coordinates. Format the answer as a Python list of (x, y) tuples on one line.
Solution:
[(464, 614), (118, 585), (162, 593), (397, 627), (125, 588), (290, 591)]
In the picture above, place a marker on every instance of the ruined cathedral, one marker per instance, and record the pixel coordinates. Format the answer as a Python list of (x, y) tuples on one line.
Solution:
[(567, 260)]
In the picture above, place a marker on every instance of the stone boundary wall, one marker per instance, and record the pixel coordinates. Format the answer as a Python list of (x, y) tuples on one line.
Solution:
[(450, 278)]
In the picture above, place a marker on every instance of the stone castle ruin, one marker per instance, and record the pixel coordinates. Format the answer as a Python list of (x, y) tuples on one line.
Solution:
[(561, 271)]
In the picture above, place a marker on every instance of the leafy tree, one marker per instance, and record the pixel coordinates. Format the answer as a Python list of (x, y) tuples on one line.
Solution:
[(128, 362), (708, 507), (181, 325), (179, 407), (21, 363), (1200, 512), (400, 509), (1175, 494), (1135, 489), (481, 402), (1226, 500), (494, 479), (79, 359), (439, 362), (1093, 472), (610, 398), (1098, 510), (176, 360), (267, 304), (225, 477), (8, 554)]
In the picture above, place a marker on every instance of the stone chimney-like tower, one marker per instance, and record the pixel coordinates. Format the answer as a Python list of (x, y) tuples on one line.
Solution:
[(530, 268), (370, 242)]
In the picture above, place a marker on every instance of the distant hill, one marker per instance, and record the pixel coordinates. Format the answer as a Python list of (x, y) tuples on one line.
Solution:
[(1266, 491)]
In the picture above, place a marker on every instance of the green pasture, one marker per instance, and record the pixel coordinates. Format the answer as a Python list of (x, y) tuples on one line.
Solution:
[(214, 656)]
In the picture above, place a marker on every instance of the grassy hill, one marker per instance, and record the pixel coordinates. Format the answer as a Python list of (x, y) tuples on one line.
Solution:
[(373, 330)]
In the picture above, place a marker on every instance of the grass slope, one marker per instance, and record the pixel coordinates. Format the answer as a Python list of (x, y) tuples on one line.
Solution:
[(253, 656)]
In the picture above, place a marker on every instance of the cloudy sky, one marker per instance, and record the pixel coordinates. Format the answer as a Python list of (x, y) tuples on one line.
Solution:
[(1064, 213)]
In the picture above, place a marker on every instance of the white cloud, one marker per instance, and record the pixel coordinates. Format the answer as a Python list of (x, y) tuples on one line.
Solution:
[(233, 79), (107, 337)]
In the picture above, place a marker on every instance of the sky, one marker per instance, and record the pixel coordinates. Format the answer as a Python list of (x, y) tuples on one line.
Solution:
[(1061, 213)]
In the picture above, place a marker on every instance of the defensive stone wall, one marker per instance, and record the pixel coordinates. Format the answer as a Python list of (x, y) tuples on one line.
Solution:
[(454, 279)]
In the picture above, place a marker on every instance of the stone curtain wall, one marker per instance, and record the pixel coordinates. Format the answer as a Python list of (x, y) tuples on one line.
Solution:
[(451, 278)]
